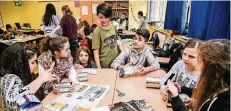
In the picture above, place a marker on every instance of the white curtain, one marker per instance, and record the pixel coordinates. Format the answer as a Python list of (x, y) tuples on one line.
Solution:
[(156, 10)]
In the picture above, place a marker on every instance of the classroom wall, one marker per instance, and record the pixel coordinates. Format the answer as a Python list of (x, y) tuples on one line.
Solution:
[(31, 12), (139, 5)]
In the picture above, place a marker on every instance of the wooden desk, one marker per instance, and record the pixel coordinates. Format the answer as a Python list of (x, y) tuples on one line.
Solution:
[(129, 32), (29, 31), (104, 77), (163, 59), (26, 39), (135, 89)]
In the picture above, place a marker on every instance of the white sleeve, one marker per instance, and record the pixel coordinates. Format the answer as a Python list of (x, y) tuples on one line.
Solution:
[(72, 75), (40, 69)]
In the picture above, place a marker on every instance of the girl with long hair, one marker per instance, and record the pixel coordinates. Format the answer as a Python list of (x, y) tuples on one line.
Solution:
[(16, 66), (50, 21), (213, 89)]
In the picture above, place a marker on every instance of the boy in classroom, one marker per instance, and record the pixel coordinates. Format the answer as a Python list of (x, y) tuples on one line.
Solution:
[(105, 43), (138, 55)]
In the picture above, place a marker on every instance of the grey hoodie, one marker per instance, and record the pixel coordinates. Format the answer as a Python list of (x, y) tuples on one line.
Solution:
[(131, 56), (183, 77)]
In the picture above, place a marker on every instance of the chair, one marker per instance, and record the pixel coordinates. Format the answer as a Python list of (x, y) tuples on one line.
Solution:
[(18, 25), (26, 25)]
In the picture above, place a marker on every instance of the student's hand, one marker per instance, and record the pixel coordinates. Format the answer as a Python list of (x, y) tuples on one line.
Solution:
[(55, 90), (143, 70), (118, 42), (189, 102), (48, 77), (78, 66), (172, 89), (164, 95), (177, 86), (72, 89)]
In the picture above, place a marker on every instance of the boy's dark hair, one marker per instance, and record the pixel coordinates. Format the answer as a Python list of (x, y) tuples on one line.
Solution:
[(93, 27), (104, 9), (124, 14), (87, 31), (143, 32), (140, 13), (8, 26)]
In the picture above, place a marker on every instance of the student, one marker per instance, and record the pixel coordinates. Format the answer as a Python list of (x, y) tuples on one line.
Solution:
[(69, 26), (84, 57), (57, 50), (88, 39), (50, 21), (10, 33), (105, 39), (142, 21), (187, 70), (16, 79), (138, 55), (122, 21), (93, 26), (113, 21), (85, 24), (213, 89)]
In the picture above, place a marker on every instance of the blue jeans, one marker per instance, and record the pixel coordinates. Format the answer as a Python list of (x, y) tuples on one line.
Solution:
[(73, 47)]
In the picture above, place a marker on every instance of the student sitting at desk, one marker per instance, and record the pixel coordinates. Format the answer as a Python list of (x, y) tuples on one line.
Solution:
[(137, 55), (17, 64), (57, 50), (122, 21), (213, 87), (187, 71), (84, 58), (10, 33)]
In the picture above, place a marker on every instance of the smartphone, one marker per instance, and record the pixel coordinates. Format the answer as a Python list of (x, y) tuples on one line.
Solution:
[(170, 78)]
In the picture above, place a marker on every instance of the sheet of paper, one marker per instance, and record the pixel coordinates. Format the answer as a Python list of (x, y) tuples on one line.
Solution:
[(104, 108), (85, 96), (84, 10), (94, 6)]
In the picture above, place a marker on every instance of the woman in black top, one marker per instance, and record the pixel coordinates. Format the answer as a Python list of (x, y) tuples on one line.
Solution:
[(213, 89)]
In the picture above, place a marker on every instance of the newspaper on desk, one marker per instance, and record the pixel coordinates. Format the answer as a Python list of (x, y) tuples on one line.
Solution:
[(85, 96)]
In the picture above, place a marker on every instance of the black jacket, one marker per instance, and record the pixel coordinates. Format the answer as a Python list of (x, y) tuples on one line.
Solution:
[(220, 103)]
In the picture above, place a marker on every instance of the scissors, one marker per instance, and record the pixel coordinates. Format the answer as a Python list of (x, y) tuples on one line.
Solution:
[(121, 94)]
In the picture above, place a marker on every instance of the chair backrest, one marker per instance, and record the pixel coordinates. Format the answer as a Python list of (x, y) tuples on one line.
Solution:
[(18, 25), (162, 38), (155, 40), (26, 25)]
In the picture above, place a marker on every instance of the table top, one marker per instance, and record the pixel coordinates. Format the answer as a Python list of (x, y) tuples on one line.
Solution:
[(103, 77), (30, 30), (22, 39), (135, 89), (126, 32)]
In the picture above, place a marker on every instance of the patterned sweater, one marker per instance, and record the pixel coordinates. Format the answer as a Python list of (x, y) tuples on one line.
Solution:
[(11, 90)]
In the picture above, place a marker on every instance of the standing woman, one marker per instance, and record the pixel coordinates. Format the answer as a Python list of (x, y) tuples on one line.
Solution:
[(69, 25), (50, 21)]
